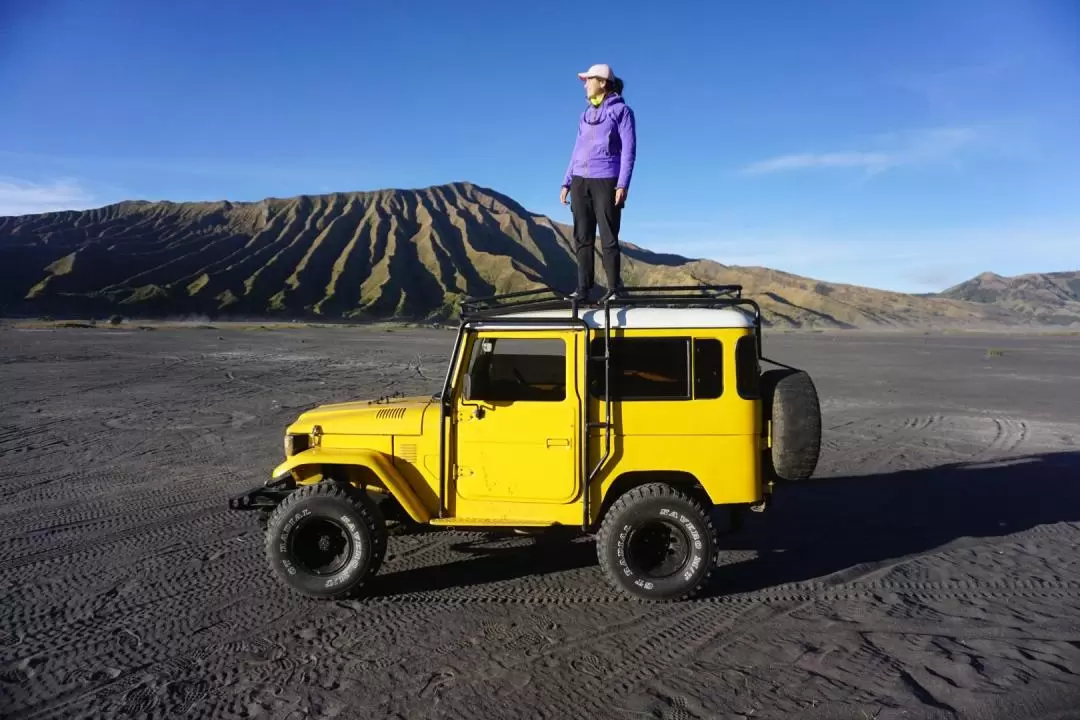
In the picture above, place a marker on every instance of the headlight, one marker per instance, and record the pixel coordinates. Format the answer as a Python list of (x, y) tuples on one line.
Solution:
[(295, 444)]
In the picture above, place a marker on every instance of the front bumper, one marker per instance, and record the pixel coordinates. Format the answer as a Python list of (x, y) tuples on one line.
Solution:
[(262, 497)]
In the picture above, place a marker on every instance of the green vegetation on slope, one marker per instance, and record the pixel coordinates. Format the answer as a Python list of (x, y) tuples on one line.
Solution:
[(389, 254)]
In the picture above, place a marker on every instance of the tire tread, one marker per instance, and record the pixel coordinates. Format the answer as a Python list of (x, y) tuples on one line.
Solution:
[(367, 508), (656, 491), (804, 410)]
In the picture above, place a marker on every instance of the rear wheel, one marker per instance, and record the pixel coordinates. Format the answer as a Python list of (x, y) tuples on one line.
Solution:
[(657, 543), (325, 540)]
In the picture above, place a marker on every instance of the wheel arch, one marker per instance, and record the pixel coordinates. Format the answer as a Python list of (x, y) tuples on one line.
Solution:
[(627, 481), (358, 468)]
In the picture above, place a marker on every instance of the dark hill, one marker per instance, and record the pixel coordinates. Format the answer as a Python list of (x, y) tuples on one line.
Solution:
[(407, 254)]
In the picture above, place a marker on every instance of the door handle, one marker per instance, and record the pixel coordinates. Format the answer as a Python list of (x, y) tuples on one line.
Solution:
[(558, 442)]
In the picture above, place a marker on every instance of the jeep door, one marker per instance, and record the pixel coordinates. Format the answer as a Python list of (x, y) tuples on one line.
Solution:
[(516, 424)]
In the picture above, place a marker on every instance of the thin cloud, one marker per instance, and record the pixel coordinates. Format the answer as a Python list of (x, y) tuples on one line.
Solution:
[(951, 86), (20, 197), (913, 148), (821, 160)]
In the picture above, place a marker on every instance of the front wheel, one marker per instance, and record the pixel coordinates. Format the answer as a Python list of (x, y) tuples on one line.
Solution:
[(325, 540), (657, 543)]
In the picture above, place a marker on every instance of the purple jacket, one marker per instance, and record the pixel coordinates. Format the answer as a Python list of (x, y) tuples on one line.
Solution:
[(606, 144)]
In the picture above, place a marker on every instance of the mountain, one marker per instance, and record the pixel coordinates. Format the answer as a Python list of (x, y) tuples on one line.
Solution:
[(1045, 298), (408, 254)]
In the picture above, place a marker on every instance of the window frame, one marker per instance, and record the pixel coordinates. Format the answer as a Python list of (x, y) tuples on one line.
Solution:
[(747, 373), (720, 370), (596, 348), (475, 354)]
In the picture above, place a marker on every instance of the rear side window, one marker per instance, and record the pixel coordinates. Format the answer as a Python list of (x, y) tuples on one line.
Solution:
[(708, 369), (747, 368), (643, 368), (659, 368)]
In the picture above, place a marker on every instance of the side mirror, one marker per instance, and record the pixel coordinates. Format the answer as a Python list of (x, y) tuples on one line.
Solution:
[(466, 390)]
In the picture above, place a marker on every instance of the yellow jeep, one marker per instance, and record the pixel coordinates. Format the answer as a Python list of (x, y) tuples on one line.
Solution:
[(633, 420)]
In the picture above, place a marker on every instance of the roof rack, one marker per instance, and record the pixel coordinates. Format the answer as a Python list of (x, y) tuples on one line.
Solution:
[(637, 295), (536, 299), (676, 294)]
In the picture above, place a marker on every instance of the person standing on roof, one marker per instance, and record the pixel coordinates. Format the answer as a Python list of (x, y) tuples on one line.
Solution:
[(598, 177)]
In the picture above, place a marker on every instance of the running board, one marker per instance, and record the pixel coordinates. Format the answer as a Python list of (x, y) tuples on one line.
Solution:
[(489, 522)]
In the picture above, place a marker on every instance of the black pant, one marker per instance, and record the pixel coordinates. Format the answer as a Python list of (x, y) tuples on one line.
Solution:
[(592, 201)]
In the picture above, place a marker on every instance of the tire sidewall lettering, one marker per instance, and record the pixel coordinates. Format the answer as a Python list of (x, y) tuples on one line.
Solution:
[(696, 534), (358, 554), (620, 549), (287, 528), (351, 521)]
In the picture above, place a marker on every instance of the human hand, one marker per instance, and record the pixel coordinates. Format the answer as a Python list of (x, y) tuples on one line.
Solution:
[(563, 195), (620, 196)]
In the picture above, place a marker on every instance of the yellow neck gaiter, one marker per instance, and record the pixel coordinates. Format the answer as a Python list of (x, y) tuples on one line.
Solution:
[(597, 100)]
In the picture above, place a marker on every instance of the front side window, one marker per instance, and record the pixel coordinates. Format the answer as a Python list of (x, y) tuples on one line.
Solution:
[(509, 369)]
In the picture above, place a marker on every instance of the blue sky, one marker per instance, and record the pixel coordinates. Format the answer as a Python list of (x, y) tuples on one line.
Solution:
[(902, 145)]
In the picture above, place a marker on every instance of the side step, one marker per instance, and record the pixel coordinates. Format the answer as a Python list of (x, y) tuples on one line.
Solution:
[(488, 522)]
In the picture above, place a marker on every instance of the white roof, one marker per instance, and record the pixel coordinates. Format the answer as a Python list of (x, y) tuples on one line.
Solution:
[(639, 317)]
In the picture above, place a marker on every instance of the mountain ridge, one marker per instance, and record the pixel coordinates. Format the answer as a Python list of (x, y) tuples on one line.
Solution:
[(399, 253), (1044, 298)]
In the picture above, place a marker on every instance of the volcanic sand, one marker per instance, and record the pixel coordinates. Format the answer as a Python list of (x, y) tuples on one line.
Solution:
[(929, 572)]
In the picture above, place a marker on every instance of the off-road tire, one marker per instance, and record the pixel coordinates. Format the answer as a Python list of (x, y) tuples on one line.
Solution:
[(315, 520), (791, 404), (622, 558)]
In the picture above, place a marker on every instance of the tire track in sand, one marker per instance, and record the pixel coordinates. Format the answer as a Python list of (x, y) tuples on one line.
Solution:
[(909, 442), (1010, 434), (875, 445)]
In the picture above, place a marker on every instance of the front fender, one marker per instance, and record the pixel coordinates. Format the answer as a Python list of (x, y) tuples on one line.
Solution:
[(378, 462)]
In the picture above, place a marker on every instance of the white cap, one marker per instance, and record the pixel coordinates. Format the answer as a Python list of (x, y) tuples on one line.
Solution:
[(597, 71)]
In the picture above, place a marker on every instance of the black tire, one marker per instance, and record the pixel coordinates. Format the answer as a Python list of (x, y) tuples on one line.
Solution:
[(791, 403), (633, 534), (325, 540)]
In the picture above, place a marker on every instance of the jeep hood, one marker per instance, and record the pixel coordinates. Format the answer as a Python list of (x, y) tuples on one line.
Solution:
[(398, 416)]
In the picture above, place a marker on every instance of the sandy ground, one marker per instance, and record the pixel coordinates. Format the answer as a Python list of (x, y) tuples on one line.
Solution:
[(931, 571)]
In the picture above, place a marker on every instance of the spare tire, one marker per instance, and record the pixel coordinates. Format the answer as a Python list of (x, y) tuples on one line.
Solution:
[(791, 404)]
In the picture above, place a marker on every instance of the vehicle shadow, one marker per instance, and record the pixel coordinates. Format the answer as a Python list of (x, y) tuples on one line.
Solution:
[(821, 527), (491, 559), (812, 530)]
